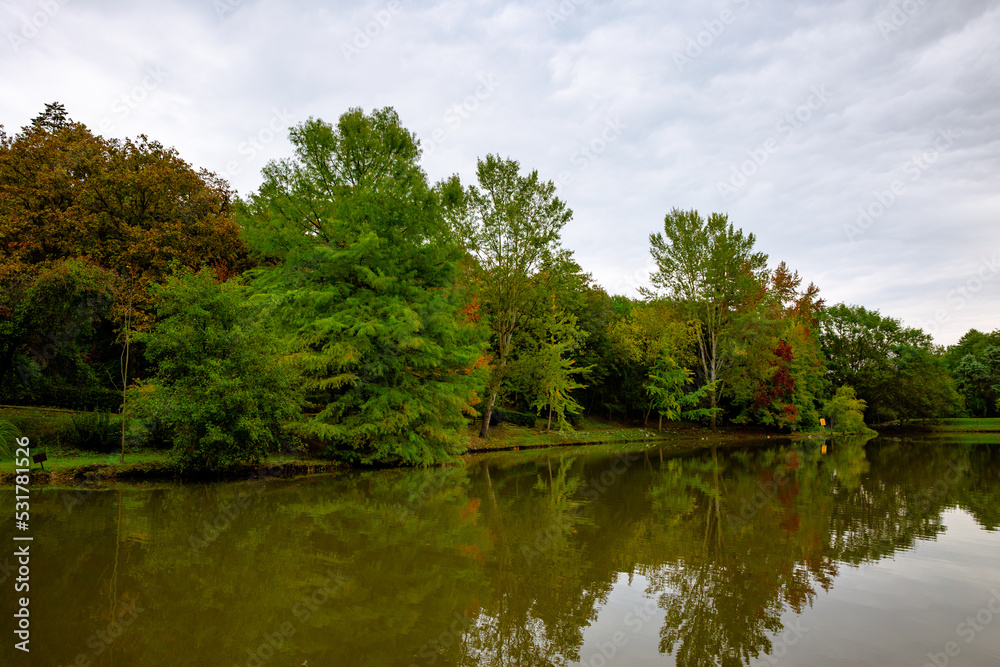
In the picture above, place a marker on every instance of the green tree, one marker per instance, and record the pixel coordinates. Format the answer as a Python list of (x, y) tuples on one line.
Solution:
[(511, 227), (366, 277), (711, 269), (550, 367), (846, 412), (50, 332), (667, 389), (978, 377), (897, 370), (219, 386), (131, 208), (648, 333), (973, 342)]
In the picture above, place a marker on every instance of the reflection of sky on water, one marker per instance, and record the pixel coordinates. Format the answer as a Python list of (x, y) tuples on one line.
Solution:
[(893, 612), (630, 612), (691, 557)]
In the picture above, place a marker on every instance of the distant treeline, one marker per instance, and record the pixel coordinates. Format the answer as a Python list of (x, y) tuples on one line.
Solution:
[(352, 305)]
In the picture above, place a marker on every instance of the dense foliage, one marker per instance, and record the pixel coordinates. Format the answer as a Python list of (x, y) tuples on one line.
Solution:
[(367, 288), (896, 370), (353, 305), (219, 388), (87, 225)]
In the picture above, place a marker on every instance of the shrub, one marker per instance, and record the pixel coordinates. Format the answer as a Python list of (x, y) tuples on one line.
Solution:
[(9, 433), (158, 435), (219, 388), (96, 432), (518, 418), (846, 412)]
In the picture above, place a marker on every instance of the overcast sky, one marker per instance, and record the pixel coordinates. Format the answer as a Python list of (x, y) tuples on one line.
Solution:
[(858, 140)]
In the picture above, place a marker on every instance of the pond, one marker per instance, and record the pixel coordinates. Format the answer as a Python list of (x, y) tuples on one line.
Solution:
[(780, 552)]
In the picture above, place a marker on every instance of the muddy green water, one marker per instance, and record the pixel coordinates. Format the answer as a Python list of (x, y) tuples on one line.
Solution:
[(878, 553)]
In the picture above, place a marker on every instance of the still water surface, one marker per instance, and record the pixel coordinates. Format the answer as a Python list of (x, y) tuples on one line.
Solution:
[(877, 553)]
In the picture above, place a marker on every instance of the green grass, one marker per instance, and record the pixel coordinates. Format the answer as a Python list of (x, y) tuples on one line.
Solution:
[(66, 460), (52, 430), (45, 427), (591, 431), (967, 425)]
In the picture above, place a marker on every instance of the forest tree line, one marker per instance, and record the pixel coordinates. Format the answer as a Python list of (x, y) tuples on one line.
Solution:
[(351, 304)]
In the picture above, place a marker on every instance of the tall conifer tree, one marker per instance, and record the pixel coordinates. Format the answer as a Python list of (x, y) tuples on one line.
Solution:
[(368, 286)]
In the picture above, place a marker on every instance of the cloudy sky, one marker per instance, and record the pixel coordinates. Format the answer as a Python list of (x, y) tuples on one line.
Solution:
[(859, 140)]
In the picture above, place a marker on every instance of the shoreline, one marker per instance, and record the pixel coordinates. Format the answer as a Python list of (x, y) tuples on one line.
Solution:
[(157, 467), (161, 469)]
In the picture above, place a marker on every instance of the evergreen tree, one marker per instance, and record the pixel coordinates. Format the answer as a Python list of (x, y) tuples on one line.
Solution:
[(367, 281), (552, 373), (668, 392)]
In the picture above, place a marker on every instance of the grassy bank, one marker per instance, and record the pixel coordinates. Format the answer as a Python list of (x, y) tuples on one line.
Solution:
[(80, 468), (590, 432), (52, 431), (965, 425)]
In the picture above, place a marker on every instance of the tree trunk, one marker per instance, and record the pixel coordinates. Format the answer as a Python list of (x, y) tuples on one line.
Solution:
[(715, 404), (128, 332), (660, 427), (485, 430), (124, 394), (548, 429)]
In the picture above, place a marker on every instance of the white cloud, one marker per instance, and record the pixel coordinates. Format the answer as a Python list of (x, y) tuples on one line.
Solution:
[(229, 80)]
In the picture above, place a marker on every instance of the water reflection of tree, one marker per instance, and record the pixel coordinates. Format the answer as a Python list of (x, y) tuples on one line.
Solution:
[(538, 572), (439, 574), (724, 582)]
